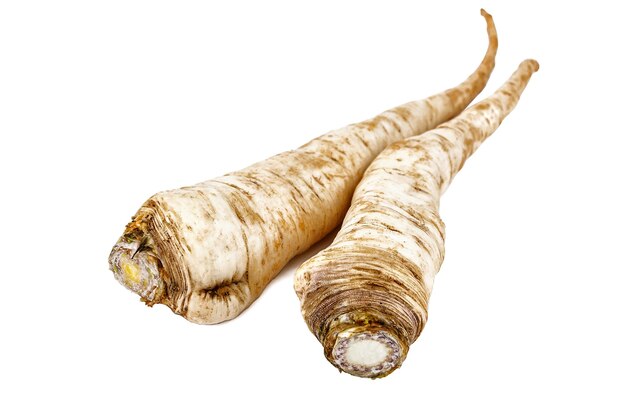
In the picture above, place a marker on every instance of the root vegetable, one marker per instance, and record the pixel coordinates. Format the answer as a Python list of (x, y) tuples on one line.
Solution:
[(365, 296), (207, 251)]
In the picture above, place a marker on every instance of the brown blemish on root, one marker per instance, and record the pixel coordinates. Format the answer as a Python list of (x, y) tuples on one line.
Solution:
[(369, 272), (321, 174), (226, 289)]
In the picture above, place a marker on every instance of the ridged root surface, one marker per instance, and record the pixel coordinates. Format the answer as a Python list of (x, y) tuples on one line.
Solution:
[(207, 251), (365, 297)]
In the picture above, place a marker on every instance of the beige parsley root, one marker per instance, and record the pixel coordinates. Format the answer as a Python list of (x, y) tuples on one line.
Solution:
[(207, 251), (365, 297)]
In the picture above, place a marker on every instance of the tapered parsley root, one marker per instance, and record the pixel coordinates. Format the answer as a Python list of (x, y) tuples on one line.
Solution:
[(365, 296), (208, 250)]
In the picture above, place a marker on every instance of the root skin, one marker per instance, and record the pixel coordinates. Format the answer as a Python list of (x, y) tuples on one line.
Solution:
[(379, 270), (220, 242)]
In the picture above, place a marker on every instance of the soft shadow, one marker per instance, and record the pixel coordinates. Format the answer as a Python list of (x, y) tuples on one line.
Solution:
[(288, 271), (294, 263)]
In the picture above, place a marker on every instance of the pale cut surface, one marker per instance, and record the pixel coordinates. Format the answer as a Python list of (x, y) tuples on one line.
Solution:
[(366, 352), (377, 275), (217, 244)]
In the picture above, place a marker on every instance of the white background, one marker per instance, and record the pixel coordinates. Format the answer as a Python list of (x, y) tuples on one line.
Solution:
[(103, 104)]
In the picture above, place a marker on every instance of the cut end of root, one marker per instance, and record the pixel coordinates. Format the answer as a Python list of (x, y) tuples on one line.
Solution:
[(367, 354), (137, 268)]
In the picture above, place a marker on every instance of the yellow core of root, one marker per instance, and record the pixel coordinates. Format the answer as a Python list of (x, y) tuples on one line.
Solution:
[(367, 352), (131, 271)]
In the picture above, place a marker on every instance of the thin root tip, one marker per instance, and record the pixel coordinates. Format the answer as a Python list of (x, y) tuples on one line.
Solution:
[(491, 27), (533, 64)]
